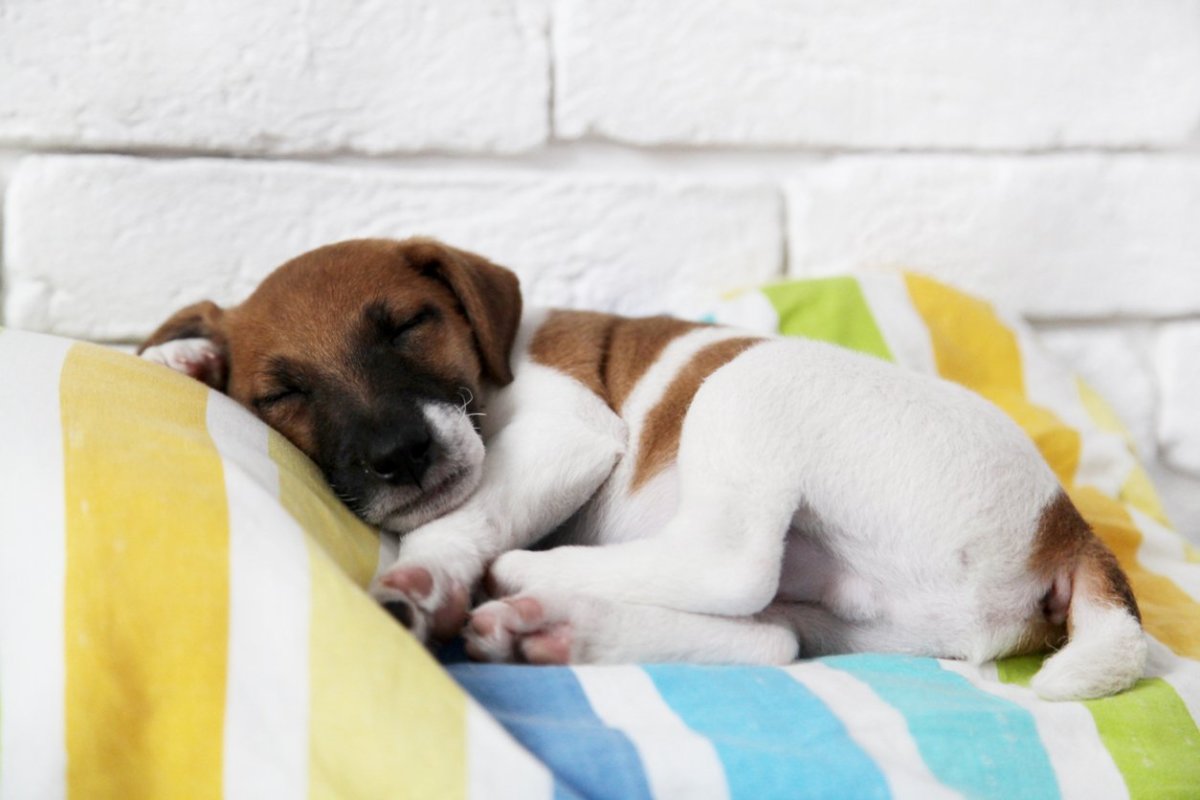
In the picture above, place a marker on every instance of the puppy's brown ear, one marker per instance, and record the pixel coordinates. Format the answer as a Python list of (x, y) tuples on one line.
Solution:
[(490, 296), (193, 342)]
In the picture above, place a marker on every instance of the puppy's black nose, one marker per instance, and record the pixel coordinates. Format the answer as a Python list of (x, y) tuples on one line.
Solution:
[(401, 458)]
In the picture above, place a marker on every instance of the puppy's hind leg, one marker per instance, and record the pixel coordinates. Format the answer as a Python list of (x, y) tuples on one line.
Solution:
[(713, 557), (575, 629), (722, 551)]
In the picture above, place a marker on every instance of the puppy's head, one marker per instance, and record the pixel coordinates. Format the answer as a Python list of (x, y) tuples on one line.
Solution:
[(370, 356)]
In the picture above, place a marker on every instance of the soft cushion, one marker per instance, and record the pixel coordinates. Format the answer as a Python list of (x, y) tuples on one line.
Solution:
[(183, 612)]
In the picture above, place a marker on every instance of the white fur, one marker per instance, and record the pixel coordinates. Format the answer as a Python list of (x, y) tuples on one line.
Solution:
[(606, 632), (857, 505), (194, 357), (1107, 653), (550, 445), (796, 440)]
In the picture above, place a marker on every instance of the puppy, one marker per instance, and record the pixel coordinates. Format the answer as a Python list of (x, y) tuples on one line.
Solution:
[(754, 499)]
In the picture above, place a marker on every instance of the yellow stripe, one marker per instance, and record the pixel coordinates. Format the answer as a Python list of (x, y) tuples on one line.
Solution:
[(304, 493), (384, 719), (1101, 412), (147, 581), (1139, 493), (1168, 613), (1137, 490), (970, 345)]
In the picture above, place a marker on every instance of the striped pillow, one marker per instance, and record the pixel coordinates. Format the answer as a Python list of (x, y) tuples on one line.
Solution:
[(182, 613)]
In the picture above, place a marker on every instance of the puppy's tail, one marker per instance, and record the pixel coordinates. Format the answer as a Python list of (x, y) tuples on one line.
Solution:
[(1105, 651)]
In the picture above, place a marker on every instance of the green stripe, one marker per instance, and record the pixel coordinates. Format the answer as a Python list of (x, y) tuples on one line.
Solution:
[(1147, 730), (829, 309)]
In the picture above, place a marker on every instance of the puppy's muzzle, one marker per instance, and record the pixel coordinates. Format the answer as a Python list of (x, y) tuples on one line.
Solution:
[(401, 456)]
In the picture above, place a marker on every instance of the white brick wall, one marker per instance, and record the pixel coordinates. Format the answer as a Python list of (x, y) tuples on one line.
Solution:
[(878, 73), (281, 76), (188, 229), (627, 155)]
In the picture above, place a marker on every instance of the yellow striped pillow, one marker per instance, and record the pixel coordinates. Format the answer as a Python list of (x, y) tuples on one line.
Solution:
[(182, 609)]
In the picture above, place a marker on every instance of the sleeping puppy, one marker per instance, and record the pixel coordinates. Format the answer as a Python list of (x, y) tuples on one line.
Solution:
[(754, 499)]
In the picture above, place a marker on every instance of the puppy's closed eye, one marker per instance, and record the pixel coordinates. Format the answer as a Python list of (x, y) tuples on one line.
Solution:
[(393, 328), (278, 397)]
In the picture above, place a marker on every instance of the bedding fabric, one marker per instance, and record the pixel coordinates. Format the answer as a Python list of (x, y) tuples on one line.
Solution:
[(182, 614)]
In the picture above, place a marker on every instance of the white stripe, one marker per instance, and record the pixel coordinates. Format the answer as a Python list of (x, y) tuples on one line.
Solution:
[(1162, 551), (266, 703), (903, 329), (878, 728), (678, 761), (33, 758), (750, 311), (497, 767), (1080, 761)]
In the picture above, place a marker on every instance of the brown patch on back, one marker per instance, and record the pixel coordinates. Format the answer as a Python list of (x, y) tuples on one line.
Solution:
[(1065, 542), (606, 353), (659, 443)]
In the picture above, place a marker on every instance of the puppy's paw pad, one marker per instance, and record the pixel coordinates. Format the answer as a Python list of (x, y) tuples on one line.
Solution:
[(552, 646), (518, 629), (439, 603), (414, 582), (489, 634), (530, 613)]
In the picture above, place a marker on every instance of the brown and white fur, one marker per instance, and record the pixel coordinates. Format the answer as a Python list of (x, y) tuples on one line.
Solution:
[(695, 493)]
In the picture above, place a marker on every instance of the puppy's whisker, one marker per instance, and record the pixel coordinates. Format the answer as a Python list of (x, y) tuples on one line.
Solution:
[(468, 399)]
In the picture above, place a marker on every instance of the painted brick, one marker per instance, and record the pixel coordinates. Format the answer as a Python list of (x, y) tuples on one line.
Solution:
[(275, 77), (1178, 363), (105, 247), (1115, 361), (879, 74), (1057, 237)]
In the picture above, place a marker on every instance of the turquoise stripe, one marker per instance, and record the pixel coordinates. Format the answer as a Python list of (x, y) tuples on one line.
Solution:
[(972, 741), (773, 736)]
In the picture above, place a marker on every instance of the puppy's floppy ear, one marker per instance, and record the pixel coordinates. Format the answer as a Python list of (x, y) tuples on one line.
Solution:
[(193, 342), (490, 296)]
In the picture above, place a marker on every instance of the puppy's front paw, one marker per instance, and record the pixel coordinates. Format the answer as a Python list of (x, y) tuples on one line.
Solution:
[(199, 358), (432, 606), (519, 629)]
